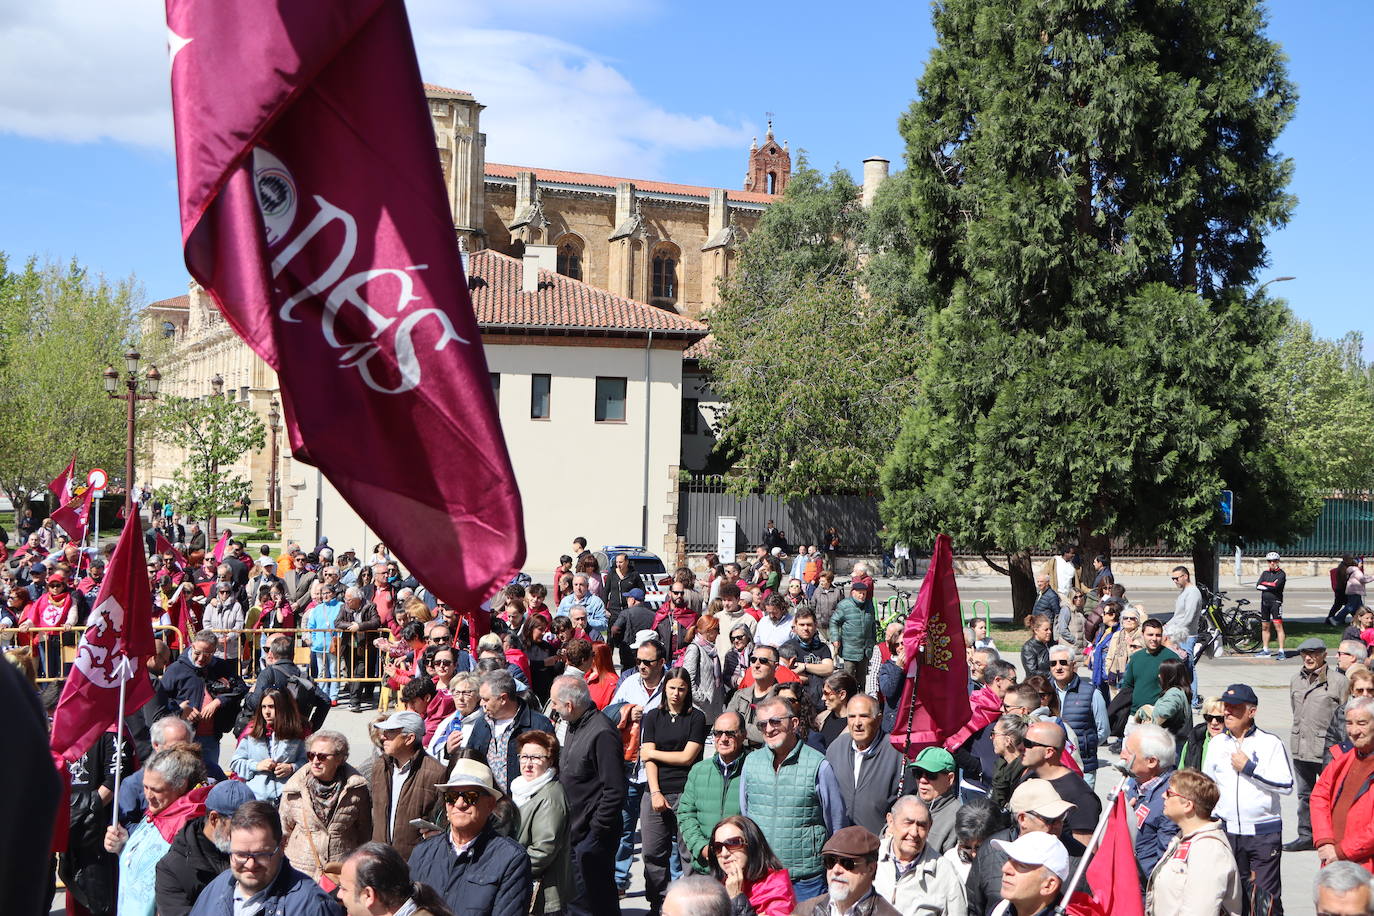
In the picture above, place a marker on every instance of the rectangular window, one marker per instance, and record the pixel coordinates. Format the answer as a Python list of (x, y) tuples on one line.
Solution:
[(690, 413), (539, 396), (496, 387), (610, 400)]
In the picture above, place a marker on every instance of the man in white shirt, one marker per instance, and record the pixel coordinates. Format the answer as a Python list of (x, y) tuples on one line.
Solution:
[(775, 627)]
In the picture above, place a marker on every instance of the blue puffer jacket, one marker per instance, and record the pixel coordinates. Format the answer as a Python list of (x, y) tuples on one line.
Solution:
[(292, 894), (1077, 711), (492, 878)]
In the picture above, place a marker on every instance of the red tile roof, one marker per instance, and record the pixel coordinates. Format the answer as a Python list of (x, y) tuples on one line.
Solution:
[(701, 349), (606, 181), (561, 302), (430, 87), (176, 302)]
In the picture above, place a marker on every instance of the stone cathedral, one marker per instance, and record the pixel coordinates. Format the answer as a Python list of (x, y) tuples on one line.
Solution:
[(659, 242)]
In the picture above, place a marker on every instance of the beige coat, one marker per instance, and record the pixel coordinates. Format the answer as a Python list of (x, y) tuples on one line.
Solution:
[(304, 836), (930, 888), (1203, 881)]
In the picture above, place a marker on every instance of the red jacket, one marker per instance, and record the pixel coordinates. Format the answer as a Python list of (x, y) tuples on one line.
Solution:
[(1358, 843), (986, 706)]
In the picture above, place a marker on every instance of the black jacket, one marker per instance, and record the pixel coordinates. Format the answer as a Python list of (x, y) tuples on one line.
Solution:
[(185, 683), (1035, 658), (188, 866), (525, 720), (592, 771), (492, 878)]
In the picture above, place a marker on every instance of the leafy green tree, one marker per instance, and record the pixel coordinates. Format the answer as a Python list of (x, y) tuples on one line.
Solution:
[(216, 433), (1090, 186), (59, 327), (814, 369)]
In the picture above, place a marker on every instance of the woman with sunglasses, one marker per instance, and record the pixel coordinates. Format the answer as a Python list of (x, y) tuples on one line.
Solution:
[(1213, 723), (272, 748), (326, 807), (754, 878), (671, 741), (1125, 641), (735, 664), (543, 830)]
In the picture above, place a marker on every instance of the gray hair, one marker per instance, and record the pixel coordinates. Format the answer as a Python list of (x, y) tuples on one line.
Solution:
[(1065, 651), (582, 576), (1176, 633), (336, 740), (280, 646), (976, 819), (700, 895), (907, 801), (1153, 741), (1342, 878), (1360, 704), (1354, 647), (999, 668), (331, 568), (353, 592), (989, 654), (572, 689), (208, 637), (1013, 727), (181, 766), (499, 682), (157, 732)]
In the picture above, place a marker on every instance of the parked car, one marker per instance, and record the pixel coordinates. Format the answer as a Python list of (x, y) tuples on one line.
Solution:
[(647, 564)]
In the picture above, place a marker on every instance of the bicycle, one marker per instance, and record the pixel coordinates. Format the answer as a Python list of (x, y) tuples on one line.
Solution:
[(894, 609), (1237, 628)]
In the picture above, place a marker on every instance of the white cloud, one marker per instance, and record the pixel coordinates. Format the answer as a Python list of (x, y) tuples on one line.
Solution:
[(84, 70)]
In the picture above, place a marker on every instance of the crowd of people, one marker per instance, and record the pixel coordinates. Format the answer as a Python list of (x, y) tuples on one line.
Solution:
[(734, 740)]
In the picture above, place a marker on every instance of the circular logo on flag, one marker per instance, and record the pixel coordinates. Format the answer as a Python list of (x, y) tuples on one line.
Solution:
[(276, 193)]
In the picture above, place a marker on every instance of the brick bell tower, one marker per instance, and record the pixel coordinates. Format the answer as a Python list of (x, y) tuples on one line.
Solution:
[(770, 165)]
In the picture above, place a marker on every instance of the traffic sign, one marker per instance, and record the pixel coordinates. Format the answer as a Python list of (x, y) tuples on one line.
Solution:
[(97, 478)]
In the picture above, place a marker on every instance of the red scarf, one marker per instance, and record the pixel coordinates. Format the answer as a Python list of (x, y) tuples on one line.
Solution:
[(176, 815)]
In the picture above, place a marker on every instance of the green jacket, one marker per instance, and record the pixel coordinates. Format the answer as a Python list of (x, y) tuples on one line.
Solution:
[(544, 834), (854, 629), (709, 797), (786, 805)]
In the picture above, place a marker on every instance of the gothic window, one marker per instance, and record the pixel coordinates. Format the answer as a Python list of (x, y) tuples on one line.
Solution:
[(772, 182), (665, 273), (570, 257)]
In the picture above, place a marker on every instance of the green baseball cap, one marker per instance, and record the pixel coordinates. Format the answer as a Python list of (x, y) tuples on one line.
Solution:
[(934, 760)]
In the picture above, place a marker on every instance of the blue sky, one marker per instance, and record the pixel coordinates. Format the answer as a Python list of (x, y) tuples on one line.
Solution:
[(639, 88)]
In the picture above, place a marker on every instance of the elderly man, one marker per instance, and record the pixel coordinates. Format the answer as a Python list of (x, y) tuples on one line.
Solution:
[(1036, 808), (581, 596), (791, 792), (1149, 753), (1343, 889), (851, 864), (971, 745), (1043, 759), (1342, 806), (1251, 768), (505, 715), (1033, 876), (936, 782), (199, 851), (696, 895), (473, 868), (259, 879), (358, 623), (911, 875), (169, 731), (1046, 599), (712, 791), (853, 628), (207, 690), (1008, 743), (866, 765), (1197, 872), (1081, 706), (593, 776), (978, 661), (1316, 692), (404, 782)]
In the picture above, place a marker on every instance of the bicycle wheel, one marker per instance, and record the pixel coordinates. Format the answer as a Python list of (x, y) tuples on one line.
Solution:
[(1243, 631)]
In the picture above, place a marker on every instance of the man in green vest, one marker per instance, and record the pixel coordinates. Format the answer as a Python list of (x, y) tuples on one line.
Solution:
[(790, 791), (712, 790)]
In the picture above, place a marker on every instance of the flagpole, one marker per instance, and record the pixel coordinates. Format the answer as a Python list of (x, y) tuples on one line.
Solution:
[(1062, 908), (119, 738), (911, 714)]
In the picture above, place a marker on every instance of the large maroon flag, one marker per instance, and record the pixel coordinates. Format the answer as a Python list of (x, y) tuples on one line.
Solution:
[(75, 515), (1112, 874), (113, 650), (61, 485), (313, 211), (936, 660)]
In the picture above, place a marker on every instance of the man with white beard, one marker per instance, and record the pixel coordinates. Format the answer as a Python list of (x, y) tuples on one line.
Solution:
[(851, 864)]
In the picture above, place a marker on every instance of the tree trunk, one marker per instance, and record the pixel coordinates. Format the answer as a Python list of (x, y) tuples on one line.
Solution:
[(1205, 565), (1022, 585)]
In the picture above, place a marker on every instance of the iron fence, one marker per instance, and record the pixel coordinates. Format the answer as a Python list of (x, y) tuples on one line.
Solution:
[(703, 500)]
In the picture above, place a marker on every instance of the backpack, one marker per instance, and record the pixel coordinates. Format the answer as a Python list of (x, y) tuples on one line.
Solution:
[(310, 699)]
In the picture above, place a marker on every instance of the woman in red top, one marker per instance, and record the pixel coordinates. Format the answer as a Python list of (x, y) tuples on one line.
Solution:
[(742, 860), (602, 679)]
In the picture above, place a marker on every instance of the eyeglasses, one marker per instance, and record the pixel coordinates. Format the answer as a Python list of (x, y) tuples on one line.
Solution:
[(646, 662), (848, 863), (318, 755), (443, 663), (741, 638), (242, 858), (533, 758), (676, 592), (761, 660), (775, 722), (734, 842), (470, 797), (463, 693), (1363, 691), (719, 733), (1214, 718), (438, 639), (1049, 821), (1059, 663), (1170, 793), (1029, 743)]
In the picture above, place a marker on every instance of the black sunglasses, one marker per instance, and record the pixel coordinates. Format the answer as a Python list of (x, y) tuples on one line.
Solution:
[(1029, 743), (1215, 718), (734, 842), (646, 662), (1059, 663), (470, 797), (755, 659), (719, 733), (848, 863)]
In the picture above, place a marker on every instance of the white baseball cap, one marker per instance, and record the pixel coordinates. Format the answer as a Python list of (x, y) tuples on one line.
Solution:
[(1038, 849)]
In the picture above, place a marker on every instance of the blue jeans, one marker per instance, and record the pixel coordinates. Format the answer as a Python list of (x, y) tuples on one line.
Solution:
[(629, 817), (322, 665), (807, 888)]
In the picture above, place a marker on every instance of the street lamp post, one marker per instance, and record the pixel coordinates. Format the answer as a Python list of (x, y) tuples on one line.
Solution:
[(274, 422), (151, 380), (216, 390)]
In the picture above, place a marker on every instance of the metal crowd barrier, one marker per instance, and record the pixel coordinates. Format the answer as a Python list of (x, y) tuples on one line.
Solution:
[(347, 657)]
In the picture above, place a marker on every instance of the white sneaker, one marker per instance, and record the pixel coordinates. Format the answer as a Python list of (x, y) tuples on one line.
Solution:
[(1262, 653)]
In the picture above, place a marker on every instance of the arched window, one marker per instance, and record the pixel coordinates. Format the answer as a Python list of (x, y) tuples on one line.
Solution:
[(772, 182), (570, 257), (665, 273)]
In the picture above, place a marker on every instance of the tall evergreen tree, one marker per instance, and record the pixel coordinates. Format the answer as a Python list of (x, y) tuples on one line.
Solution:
[(1091, 185)]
